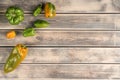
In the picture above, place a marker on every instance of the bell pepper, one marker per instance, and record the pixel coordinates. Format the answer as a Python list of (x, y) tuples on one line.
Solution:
[(38, 10), (11, 34), (29, 32), (41, 23), (17, 55), (14, 15), (50, 10)]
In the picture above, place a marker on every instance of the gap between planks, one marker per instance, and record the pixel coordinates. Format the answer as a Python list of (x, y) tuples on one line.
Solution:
[(59, 38), (73, 6), (67, 55), (65, 71), (63, 47), (69, 22)]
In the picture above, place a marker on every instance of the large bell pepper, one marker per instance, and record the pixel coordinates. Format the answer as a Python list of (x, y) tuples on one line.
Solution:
[(14, 15), (50, 10), (17, 55)]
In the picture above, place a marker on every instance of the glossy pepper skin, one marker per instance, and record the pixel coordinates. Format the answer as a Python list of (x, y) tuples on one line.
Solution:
[(38, 10), (50, 10), (29, 32), (41, 24), (14, 15), (17, 55)]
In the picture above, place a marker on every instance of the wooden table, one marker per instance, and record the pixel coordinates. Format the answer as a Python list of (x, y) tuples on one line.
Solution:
[(82, 41)]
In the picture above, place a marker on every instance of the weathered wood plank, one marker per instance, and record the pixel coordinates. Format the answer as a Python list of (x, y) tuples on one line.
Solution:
[(117, 21), (117, 38), (64, 71), (4, 4), (67, 55), (47, 79), (68, 6), (61, 38), (68, 21)]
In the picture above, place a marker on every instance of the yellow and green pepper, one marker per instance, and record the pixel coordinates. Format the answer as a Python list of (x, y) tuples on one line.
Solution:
[(17, 55), (50, 10), (14, 15)]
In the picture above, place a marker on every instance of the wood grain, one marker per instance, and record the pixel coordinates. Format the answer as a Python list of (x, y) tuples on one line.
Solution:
[(67, 55), (117, 38), (46, 79), (61, 38), (69, 21), (67, 6), (65, 71), (74, 46)]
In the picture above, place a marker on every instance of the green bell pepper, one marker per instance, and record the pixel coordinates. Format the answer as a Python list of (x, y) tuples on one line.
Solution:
[(17, 55), (14, 15), (50, 10), (41, 24), (38, 10), (29, 32)]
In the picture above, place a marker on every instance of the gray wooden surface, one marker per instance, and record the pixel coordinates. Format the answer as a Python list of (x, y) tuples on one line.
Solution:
[(82, 41)]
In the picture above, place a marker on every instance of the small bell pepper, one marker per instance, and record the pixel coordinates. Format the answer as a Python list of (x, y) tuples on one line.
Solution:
[(17, 55), (38, 10), (14, 15), (50, 10), (29, 32), (41, 24), (11, 34)]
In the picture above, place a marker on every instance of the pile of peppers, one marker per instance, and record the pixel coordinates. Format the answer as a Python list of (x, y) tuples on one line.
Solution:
[(15, 16), (49, 9)]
